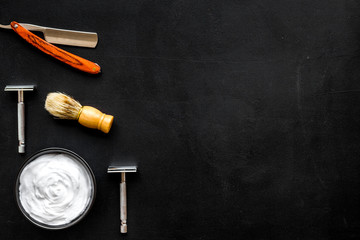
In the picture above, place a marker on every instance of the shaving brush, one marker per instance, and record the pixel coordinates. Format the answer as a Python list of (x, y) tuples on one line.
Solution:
[(63, 106)]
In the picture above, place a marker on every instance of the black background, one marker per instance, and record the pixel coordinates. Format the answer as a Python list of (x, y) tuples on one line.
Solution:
[(242, 116)]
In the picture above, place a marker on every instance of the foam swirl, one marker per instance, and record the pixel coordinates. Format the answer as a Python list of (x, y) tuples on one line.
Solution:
[(55, 189)]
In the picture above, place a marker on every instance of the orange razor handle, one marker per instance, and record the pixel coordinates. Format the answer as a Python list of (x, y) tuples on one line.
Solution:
[(62, 55)]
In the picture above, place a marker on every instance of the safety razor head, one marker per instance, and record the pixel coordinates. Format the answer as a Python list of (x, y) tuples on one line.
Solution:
[(117, 169), (15, 88)]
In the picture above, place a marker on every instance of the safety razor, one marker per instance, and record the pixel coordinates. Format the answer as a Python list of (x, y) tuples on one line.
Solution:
[(21, 111), (123, 204)]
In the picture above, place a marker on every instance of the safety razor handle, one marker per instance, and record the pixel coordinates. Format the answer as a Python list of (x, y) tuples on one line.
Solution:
[(123, 200), (20, 111), (123, 204), (62, 55), (21, 126)]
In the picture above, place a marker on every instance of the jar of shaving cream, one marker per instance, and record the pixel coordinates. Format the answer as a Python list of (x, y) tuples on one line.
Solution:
[(55, 188)]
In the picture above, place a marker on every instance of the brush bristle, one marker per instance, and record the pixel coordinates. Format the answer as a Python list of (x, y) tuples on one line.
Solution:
[(62, 106)]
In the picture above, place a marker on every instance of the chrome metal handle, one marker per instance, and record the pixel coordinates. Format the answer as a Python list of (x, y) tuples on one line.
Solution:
[(21, 126), (123, 204)]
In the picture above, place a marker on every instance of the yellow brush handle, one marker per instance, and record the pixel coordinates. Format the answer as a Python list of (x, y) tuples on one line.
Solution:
[(92, 118)]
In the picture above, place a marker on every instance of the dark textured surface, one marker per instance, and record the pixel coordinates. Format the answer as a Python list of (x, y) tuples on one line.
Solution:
[(242, 116)]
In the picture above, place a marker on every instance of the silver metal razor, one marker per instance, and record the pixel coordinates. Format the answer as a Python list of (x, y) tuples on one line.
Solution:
[(21, 111), (123, 204)]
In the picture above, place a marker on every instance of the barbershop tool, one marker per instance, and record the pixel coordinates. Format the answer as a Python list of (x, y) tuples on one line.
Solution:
[(21, 111), (63, 106), (58, 53), (123, 204), (62, 36)]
